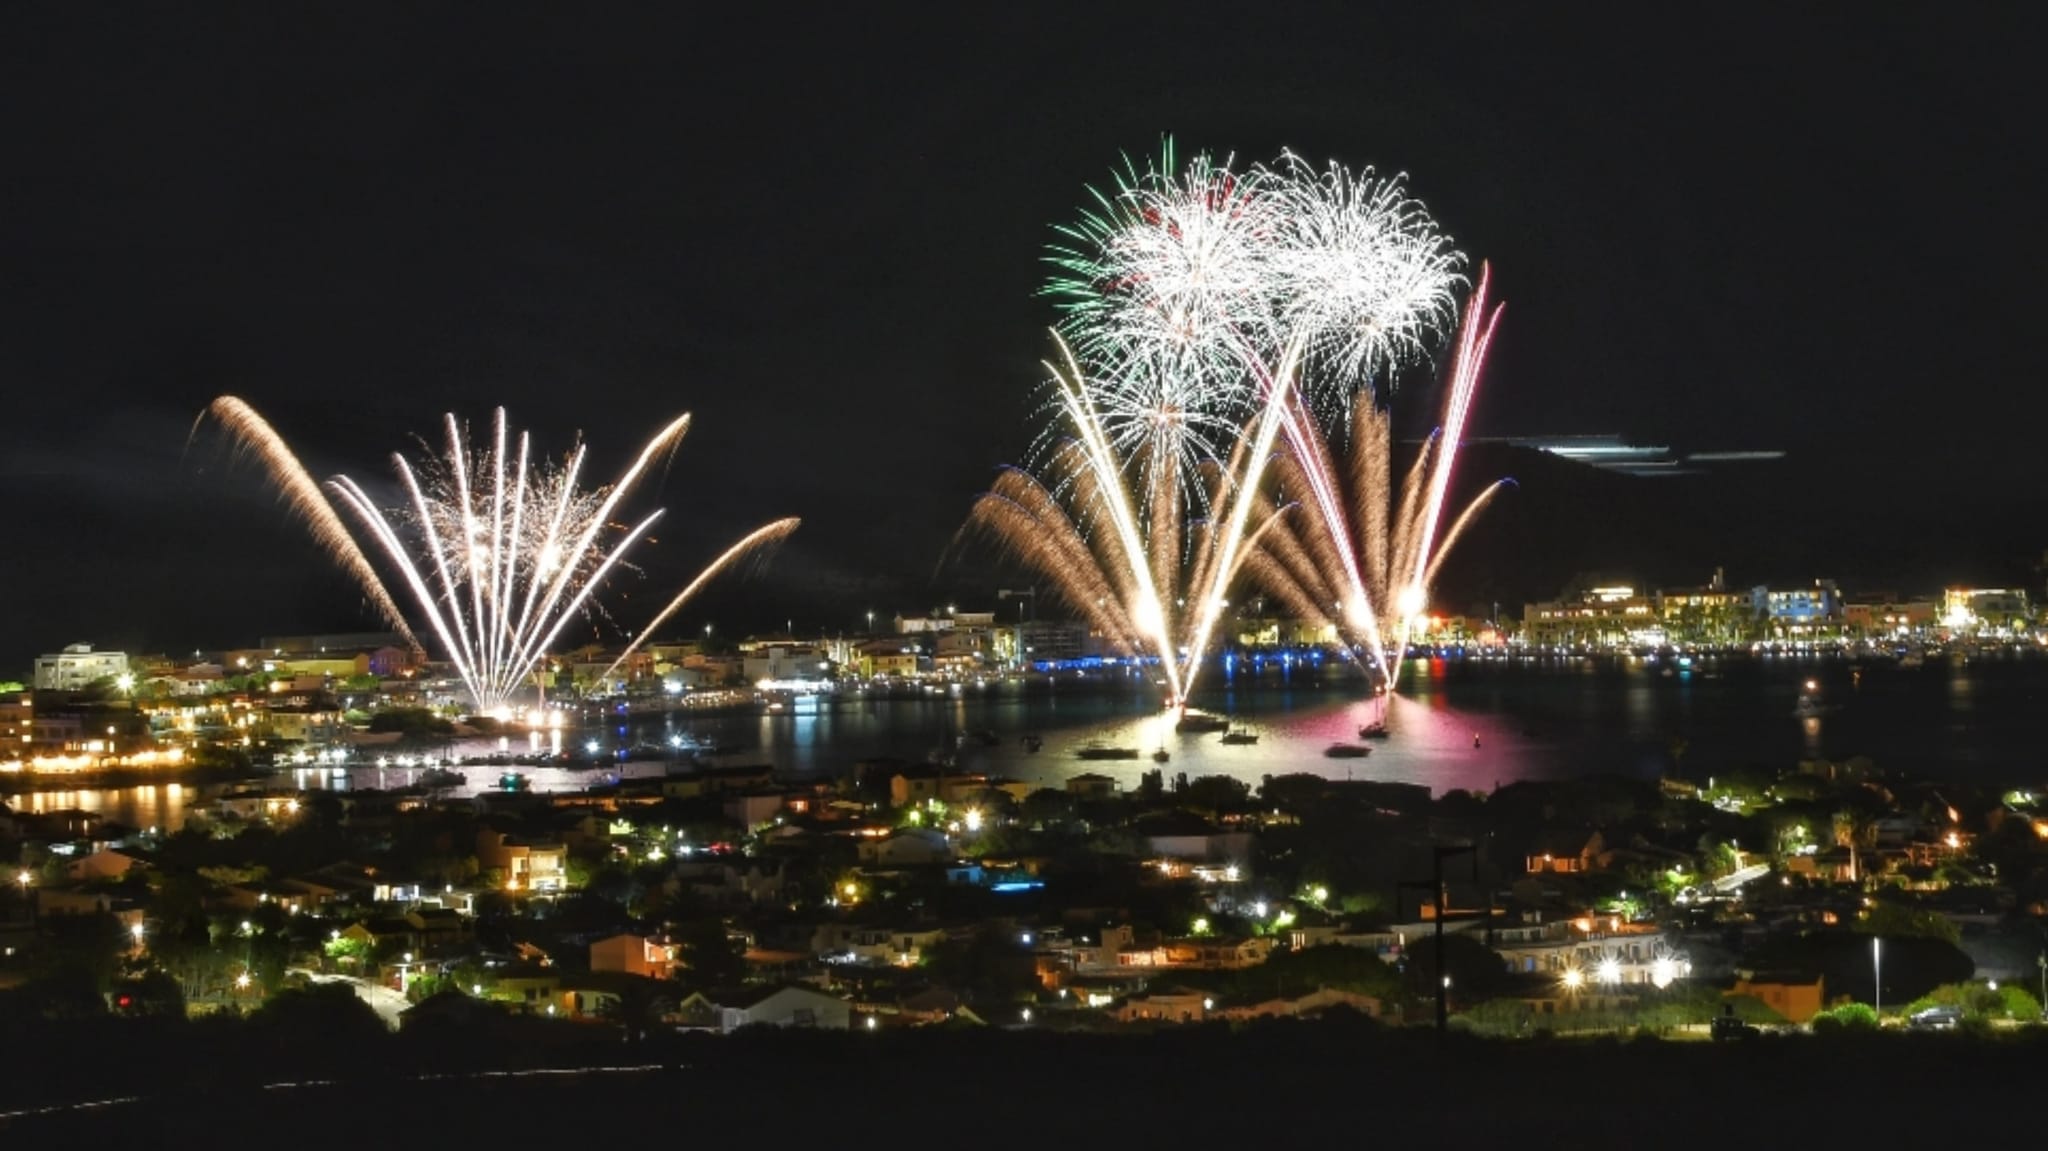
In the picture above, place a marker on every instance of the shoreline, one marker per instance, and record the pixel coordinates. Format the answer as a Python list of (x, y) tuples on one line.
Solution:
[(31, 782)]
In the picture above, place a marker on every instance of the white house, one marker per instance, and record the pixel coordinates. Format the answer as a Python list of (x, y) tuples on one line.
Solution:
[(786, 1007), (77, 666)]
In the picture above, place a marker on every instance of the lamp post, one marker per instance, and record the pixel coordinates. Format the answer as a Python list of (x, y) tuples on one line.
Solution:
[(1877, 978)]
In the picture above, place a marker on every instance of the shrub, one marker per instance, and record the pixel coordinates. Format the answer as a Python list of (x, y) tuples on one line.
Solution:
[(1847, 1017)]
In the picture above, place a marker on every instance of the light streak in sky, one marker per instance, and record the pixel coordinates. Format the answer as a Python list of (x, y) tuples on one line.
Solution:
[(499, 550), (1136, 572), (1359, 556)]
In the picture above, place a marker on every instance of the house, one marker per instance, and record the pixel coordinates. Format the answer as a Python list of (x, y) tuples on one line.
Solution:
[(452, 1009), (695, 1013), (1219, 954), (1303, 1006), (786, 1006), (527, 864), (750, 809), (713, 780), (1566, 853), (1176, 1006), (438, 927), (634, 955), (384, 937), (285, 895), (106, 863), (1796, 997), (530, 986), (917, 785), (1194, 839), (909, 847), (63, 901), (1089, 786)]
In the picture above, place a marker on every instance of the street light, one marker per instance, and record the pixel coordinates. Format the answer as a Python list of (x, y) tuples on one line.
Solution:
[(1877, 977)]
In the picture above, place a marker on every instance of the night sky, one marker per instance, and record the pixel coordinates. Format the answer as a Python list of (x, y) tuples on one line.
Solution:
[(822, 235)]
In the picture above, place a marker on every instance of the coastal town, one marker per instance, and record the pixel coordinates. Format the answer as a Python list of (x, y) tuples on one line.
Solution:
[(716, 895)]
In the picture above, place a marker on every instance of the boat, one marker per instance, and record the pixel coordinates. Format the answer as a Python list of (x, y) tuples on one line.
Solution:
[(1160, 756), (1033, 743), (1377, 729), (1195, 723), (1239, 737), (513, 781), (1098, 751), (442, 777), (1911, 660), (1347, 751)]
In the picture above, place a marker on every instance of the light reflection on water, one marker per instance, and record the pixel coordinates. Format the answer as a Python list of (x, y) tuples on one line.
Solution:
[(1531, 722)]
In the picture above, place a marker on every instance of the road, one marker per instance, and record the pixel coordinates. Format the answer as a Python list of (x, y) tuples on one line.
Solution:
[(1728, 883), (383, 1000)]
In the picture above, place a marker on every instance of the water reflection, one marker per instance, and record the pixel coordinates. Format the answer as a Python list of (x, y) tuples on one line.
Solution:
[(1569, 718)]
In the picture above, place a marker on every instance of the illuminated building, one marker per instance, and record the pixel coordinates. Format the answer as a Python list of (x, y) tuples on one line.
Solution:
[(77, 667), (1988, 611), (1613, 616), (1887, 615), (1799, 611), (1712, 614)]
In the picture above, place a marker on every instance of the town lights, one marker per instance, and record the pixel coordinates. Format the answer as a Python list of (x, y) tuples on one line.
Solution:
[(1610, 970), (1573, 979), (973, 818), (242, 981), (1662, 972)]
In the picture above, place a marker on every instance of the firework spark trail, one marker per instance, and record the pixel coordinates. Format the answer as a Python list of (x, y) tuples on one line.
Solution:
[(1386, 558), (1147, 583), (1475, 336), (252, 433), (759, 539), (500, 554)]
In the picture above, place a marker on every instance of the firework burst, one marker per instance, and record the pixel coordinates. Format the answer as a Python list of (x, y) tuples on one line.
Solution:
[(1360, 556), (1120, 552), (500, 551)]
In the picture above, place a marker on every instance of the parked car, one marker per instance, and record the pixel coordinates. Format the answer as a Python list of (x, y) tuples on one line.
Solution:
[(1729, 1027), (1936, 1019)]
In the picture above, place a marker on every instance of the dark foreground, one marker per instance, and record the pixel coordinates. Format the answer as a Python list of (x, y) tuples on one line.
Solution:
[(1320, 1083)]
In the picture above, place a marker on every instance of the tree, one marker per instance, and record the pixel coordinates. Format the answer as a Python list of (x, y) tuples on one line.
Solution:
[(1475, 971), (1216, 794), (1896, 921), (153, 993), (711, 957)]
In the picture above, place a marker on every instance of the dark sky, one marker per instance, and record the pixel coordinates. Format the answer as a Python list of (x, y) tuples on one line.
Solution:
[(821, 234)]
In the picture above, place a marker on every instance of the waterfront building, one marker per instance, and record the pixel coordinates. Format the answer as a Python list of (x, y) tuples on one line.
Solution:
[(886, 658), (17, 722), (784, 662), (1041, 641), (1886, 615), (1612, 616), (1799, 612), (1713, 614), (1985, 611), (77, 667)]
